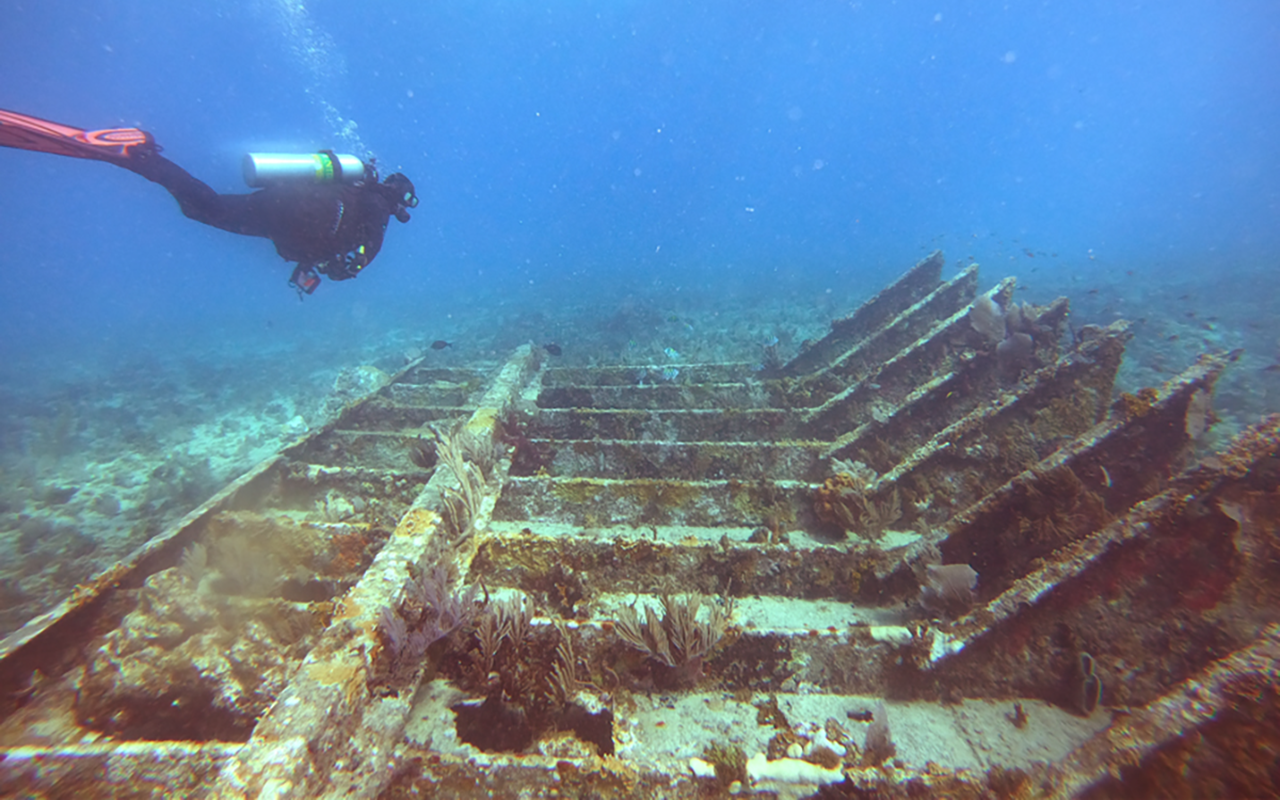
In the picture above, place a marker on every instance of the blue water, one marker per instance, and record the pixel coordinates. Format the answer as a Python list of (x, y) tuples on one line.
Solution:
[(572, 145), (590, 158)]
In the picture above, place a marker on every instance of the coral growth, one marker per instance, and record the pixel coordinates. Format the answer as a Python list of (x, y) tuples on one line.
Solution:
[(1015, 352), (469, 460), (245, 566), (841, 501), (190, 664), (526, 459), (431, 611), (529, 679), (1137, 405), (987, 318), (729, 762), (948, 589), (1012, 331), (679, 641)]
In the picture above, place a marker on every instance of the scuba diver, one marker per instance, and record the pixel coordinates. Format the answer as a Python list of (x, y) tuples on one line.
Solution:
[(327, 212)]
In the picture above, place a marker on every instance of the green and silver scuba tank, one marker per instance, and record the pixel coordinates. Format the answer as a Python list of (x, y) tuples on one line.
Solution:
[(262, 169)]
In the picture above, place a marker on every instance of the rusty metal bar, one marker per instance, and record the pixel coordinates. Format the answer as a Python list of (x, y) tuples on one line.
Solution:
[(917, 283)]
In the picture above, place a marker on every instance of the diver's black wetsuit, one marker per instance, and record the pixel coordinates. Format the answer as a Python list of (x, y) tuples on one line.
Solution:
[(336, 229), (332, 228)]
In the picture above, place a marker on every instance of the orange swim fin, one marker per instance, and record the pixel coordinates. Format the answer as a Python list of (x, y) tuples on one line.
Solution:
[(31, 133)]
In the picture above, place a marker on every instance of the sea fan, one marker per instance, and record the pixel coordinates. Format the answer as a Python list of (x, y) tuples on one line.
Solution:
[(429, 613), (440, 611), (1015, 352), (679, 640), (987, 318), (395, 632), (949, 588), (195, 559)]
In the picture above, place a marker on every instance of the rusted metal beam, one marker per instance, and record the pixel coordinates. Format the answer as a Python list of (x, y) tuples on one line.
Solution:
[(1155, 595), (971, 457), (328, 735), (916, 284)]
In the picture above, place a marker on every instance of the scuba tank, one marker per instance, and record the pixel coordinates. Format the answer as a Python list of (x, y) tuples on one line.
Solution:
[(261, 169)]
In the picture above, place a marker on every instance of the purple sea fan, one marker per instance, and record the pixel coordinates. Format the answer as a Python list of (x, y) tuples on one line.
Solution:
[(395, 632), (429, 613), (439, 611), (1015, 352), (1023, 318), (987, 318), (949, 589)]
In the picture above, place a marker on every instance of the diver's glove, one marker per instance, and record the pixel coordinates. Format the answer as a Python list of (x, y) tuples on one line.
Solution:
[(345, 267), (355, 261)]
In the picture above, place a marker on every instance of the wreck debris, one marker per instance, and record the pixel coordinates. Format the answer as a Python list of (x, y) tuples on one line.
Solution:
[(1090, 692), (879, 745), (1096, 529)]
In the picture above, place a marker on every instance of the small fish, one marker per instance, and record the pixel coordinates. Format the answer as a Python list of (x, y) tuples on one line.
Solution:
[(670, 352), (1028, 253), (552, 348), (1271, 368), (440, 344), (670, 374)]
